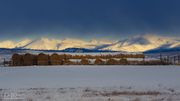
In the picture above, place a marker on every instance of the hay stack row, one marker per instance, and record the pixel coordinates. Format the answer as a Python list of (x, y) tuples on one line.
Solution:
[(55, 59), (40, 59)]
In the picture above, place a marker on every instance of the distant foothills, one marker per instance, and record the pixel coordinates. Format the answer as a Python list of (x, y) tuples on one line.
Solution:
[(145, 43)]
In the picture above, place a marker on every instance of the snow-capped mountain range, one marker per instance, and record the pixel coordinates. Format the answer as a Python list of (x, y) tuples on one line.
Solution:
[(132, 44)]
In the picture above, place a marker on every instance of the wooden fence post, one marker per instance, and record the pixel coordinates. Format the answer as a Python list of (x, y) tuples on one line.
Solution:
[(174, 60), (161, 58), (4, 62), (168, 59), (178, 59)]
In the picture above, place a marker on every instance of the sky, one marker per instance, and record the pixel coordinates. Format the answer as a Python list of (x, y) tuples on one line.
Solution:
[(113, 19)]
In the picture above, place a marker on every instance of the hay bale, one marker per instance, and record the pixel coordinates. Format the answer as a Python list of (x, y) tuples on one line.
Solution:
[(42, 59), (35, 59), (123, 61), (84, 61), (68, 62), (17, 60), (112, 62), (98, 61), (28, 59), (55, 59)]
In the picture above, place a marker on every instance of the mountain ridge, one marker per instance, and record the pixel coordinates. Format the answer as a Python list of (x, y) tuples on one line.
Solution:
[(132, 44)]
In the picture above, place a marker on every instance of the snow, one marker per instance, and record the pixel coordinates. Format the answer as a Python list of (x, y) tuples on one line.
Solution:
[(90, 83), (14, 44), (144, 43), (132, 44), (89, 76), (87, 94), (7, 44)]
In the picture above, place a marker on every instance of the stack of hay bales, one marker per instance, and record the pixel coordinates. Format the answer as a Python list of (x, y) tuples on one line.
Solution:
[(17, 60), (67, 62), (42, 59), (55, 59), (98, 61), (123, 61), (28, 59), (112, 62), (84, 61), (35, 59)]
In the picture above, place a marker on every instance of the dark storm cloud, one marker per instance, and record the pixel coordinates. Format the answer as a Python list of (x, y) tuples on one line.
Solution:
[(85, 18)]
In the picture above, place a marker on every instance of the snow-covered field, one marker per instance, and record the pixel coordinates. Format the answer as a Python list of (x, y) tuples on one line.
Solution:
[(90, 83)]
